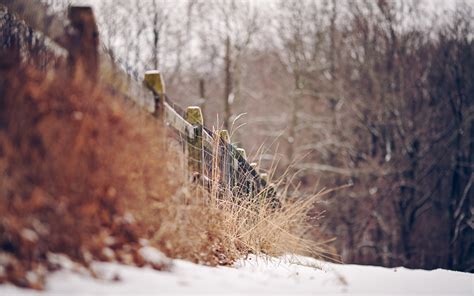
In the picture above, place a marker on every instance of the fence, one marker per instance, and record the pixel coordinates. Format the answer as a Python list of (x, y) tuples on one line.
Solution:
[(210, 156)]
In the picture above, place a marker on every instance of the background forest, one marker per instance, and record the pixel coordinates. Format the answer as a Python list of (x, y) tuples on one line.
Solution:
[(375, 94)]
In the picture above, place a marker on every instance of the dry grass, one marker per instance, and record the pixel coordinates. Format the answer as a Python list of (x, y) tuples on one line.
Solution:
[(218, 226), (194, 225), (83, 172)]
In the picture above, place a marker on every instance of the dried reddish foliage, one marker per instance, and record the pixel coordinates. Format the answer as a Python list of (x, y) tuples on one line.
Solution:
[(68, 157)]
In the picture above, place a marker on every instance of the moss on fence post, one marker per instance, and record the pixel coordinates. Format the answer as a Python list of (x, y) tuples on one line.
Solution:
[(154, 81), (224, 134), (195, 118)]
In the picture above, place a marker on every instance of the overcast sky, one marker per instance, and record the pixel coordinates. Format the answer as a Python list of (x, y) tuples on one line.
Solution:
[(435, 4)]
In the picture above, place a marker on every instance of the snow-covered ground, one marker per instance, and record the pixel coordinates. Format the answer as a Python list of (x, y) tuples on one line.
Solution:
[(255, 276)]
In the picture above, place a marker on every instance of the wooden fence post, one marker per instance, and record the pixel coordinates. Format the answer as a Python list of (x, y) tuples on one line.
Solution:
[(226, 160), (242, 153), (224, 134), (242, 178), (155, 82), (194, 117), (264, 177), (83, 42), (264, 183), (252, 181), (269, 191)]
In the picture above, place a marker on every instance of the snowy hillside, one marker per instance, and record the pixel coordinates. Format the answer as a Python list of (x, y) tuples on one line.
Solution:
[(254, 276)]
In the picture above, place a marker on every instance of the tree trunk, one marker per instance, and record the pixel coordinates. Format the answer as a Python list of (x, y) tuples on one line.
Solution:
[(228, 84), (156, 37), (294, 120), (202, 95)]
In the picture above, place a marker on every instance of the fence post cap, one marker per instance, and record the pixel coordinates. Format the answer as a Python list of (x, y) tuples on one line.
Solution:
[(264, 177), (154, 81), (224, 135), (194, 115), (81, 13), (242, 152), (80, 7)]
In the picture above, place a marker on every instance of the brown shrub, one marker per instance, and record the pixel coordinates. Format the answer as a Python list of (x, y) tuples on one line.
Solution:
[(69, 157)]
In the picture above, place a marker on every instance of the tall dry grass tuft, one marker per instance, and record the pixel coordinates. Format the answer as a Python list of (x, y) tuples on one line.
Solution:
[(217, 226)]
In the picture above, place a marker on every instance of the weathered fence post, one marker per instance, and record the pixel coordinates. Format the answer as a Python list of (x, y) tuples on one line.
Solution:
[(194, 117), (242, 153), (226, 158), (252, 181), (224, 134), (269, 191), (263, 184), (264, 177), (254, 166), (155, 82), (240, 172), (83, 42), (242, 178)]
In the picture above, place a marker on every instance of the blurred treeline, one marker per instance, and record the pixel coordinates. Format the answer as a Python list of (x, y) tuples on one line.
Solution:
[(376, 94)]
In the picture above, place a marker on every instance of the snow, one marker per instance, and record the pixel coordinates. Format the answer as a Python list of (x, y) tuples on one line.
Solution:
[(151, 254), (286, 275)]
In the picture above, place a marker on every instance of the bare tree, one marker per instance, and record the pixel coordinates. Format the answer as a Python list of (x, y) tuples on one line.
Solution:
[(372, 93)]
